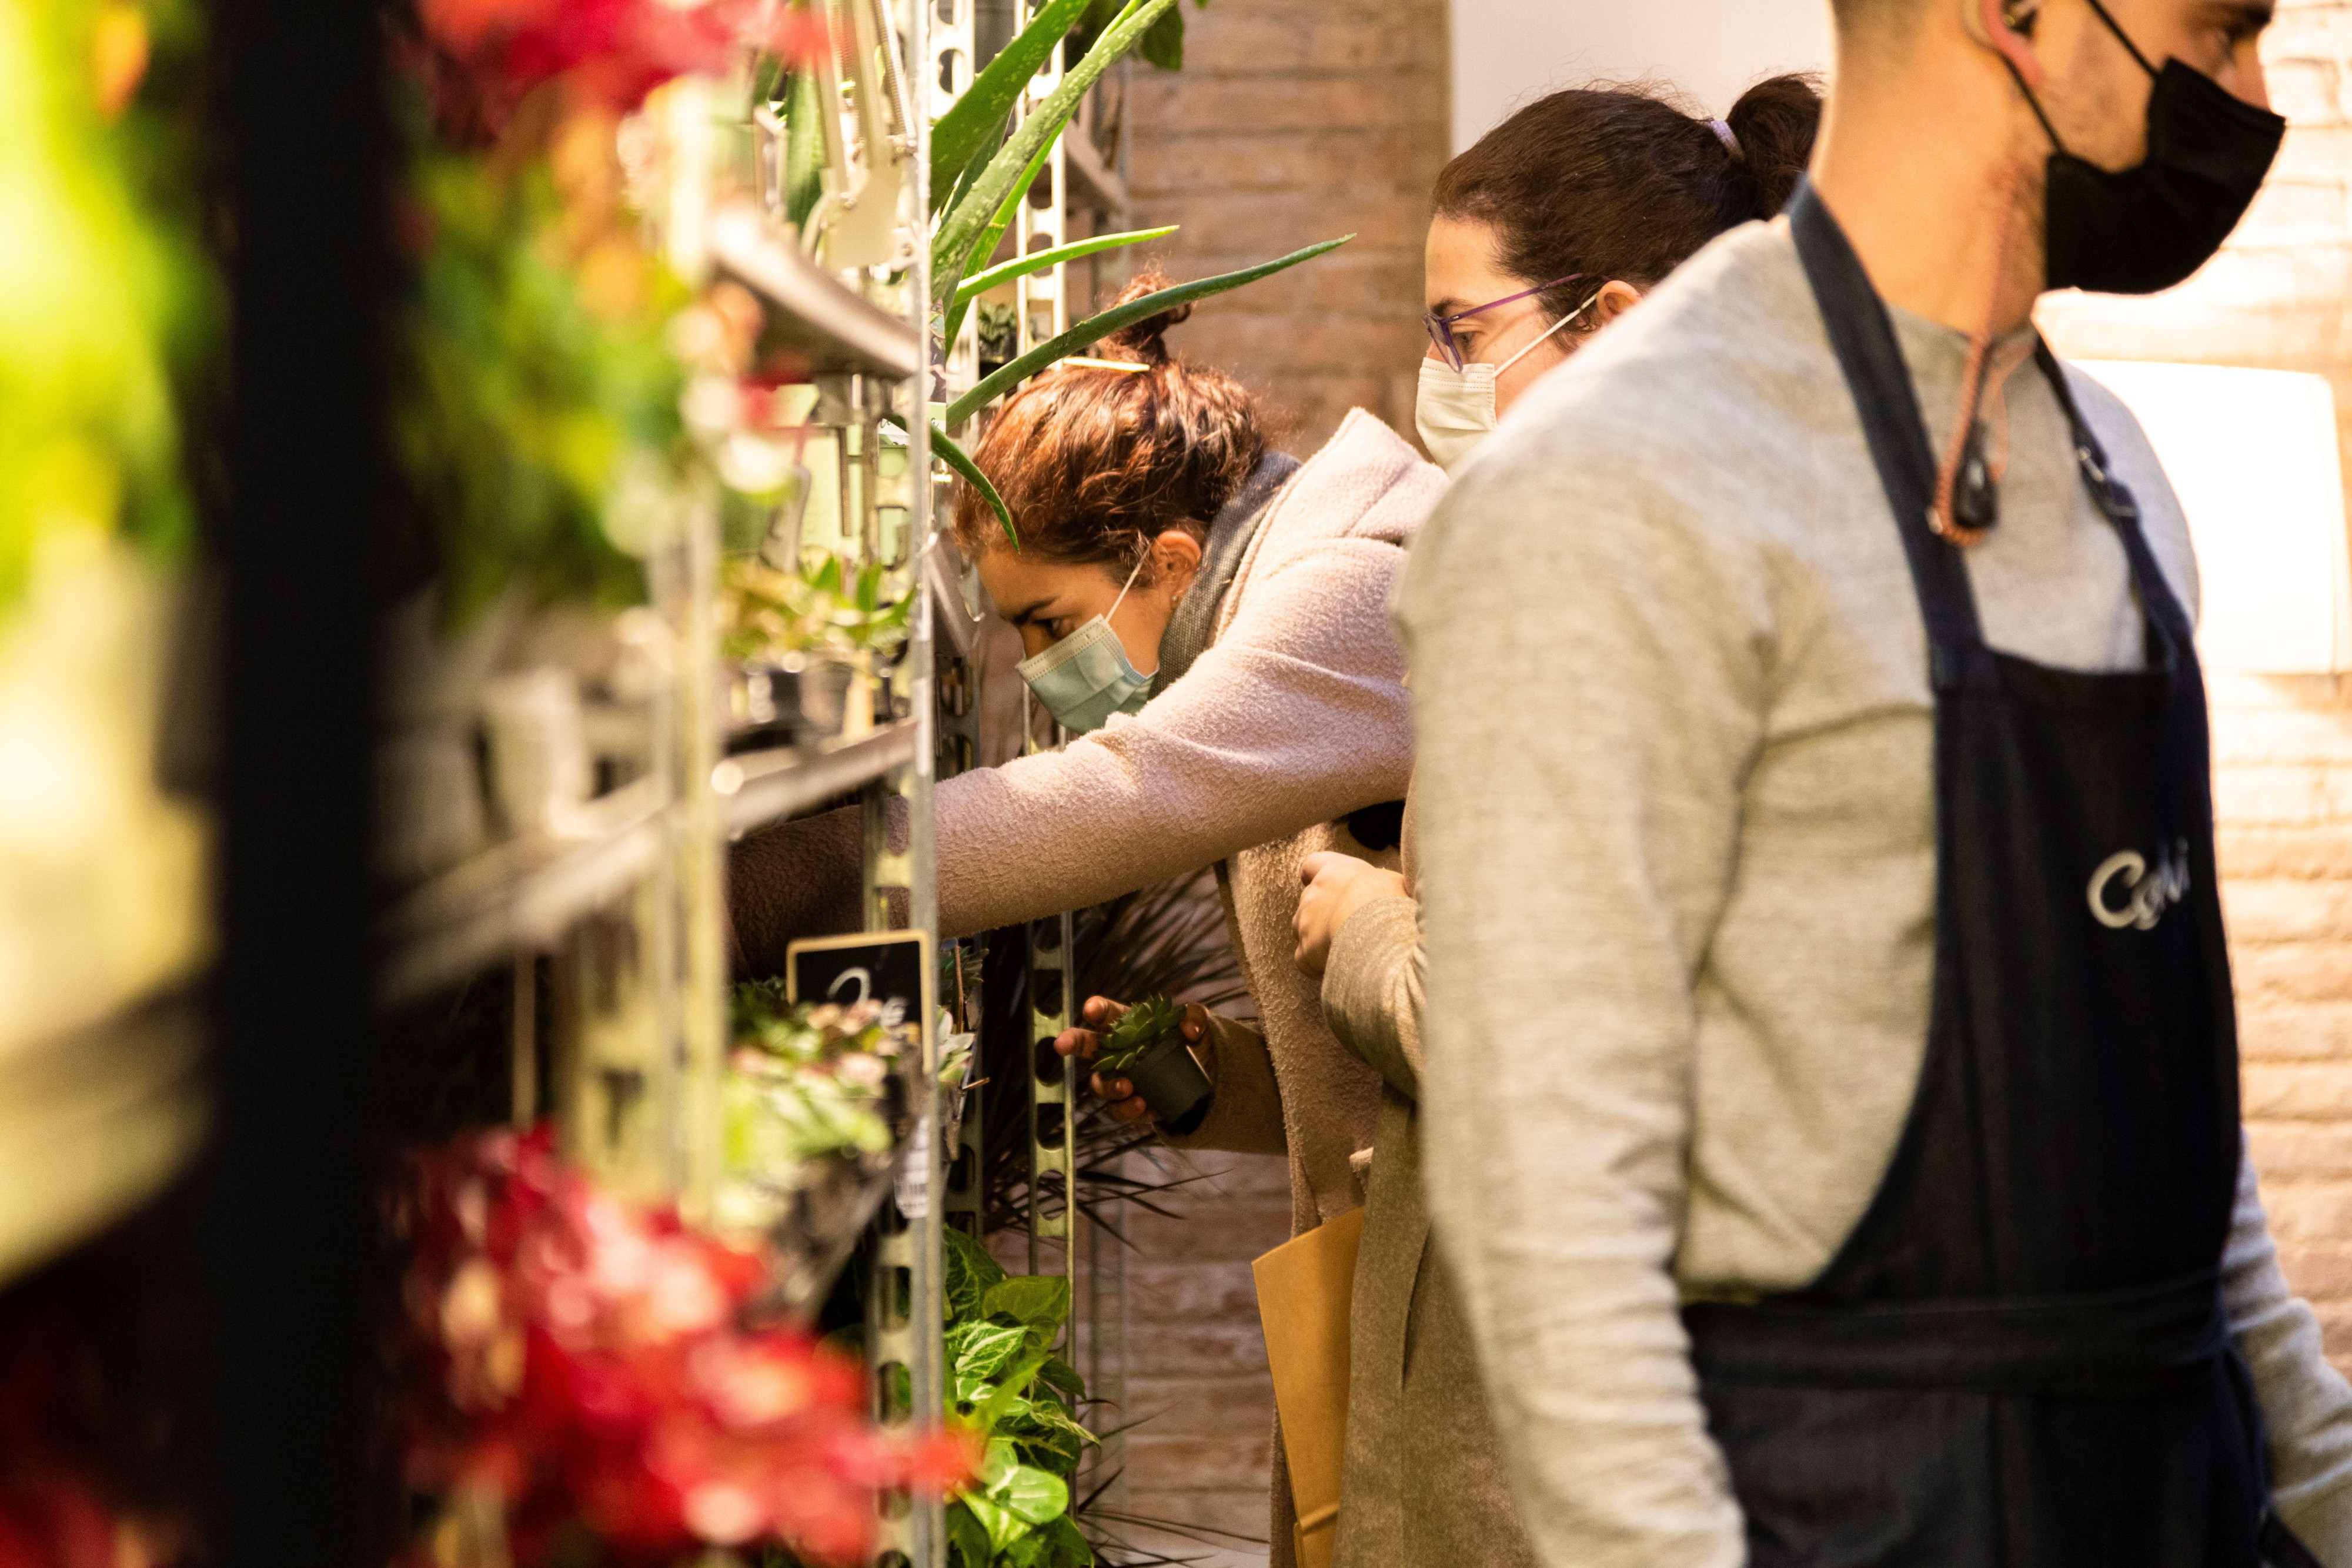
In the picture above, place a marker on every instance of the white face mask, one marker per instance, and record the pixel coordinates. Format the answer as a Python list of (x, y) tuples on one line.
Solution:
[(1454, 410)]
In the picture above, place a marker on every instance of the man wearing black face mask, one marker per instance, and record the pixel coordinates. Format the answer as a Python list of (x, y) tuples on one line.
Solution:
[(1831, 1076)]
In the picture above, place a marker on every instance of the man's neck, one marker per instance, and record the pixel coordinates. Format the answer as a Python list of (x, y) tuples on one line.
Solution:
[(1921, 171)]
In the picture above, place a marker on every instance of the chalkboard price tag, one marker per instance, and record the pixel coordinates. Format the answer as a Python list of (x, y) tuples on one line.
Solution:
[(892, 968)]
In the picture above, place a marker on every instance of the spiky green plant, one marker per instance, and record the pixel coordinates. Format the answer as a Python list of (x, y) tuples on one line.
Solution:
[(1143, 1026), (981, 173)]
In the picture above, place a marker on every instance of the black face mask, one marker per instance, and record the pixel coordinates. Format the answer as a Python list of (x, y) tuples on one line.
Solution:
[(2148, 227)]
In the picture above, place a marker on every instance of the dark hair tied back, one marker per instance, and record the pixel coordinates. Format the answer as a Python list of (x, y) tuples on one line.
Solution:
[(1620, 183), (1774, 123)]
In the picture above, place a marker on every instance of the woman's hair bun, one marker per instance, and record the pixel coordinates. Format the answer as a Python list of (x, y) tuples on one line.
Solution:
[(1775, 122), (1145, 342)]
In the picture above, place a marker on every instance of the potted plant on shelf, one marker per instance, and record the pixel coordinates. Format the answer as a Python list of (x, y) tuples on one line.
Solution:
[(1010, 1392), (803, 648), (814, 1102)]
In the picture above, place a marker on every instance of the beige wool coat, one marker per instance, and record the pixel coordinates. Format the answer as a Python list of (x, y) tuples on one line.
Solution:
[(1295, 716), (1423, 1480)]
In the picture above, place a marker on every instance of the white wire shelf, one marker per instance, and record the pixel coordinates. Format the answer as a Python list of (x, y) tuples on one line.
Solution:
[(834, 328), (521, 893), (764, 786)]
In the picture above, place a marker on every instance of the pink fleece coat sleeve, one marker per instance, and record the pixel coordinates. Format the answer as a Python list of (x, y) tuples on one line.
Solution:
[(1295, 716)]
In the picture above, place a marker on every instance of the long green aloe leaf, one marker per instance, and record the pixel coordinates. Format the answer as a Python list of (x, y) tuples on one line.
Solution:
[(943, 287), (952, 453), (1093, 328), (961, 226), (963, 132), (972, 170), (1038, 261)]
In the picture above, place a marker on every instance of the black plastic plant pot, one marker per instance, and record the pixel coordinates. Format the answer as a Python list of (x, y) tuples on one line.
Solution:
[(1170, 1083)]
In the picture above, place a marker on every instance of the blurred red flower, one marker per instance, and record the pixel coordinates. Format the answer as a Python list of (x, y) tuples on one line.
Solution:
[(609, 53), (585, 1363)]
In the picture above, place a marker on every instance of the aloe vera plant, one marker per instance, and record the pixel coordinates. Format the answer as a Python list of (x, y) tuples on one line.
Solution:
[(981, 173)]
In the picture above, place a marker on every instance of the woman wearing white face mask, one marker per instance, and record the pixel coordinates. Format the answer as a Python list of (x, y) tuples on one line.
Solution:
[(1559, 219)]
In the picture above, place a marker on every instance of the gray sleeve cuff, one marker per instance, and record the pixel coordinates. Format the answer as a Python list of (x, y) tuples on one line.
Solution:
[(2306, 1405), (1371, 991)]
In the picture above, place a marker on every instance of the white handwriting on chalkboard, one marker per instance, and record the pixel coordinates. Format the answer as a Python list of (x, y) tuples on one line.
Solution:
[(894, 1011)]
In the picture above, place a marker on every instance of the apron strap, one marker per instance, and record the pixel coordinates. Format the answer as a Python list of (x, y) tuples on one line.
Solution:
[(1862, 338), (2169, 632)]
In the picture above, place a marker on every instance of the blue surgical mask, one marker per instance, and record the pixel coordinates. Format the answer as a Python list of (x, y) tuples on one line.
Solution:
[(1085, 677)]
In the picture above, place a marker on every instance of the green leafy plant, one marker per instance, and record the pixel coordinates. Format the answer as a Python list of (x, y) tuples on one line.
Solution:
[(111, 322), (766, 612), (533, 378), (805, 1081), (1139, 1029), (1163, 45), (1005, 1382)]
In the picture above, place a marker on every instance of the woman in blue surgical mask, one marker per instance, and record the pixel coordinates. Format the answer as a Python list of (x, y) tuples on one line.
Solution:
[(1560, 218), (1208, 619)]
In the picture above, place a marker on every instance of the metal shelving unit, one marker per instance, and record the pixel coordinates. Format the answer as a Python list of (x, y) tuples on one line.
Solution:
[(619, 917), (764, 786), (520, 894), (839, 330)]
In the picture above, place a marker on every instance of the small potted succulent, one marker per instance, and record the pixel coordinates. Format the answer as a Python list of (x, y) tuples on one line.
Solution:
[(1146, 1048), (806, 646)]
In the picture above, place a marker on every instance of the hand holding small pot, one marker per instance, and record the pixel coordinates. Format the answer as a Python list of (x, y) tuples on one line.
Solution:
[(1162, 1080)]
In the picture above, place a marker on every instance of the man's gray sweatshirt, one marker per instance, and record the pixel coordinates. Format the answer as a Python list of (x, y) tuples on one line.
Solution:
[(1677, 872)]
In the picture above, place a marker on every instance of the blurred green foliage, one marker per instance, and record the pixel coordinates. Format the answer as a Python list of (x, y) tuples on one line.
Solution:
[(111, 312), (538, 401)]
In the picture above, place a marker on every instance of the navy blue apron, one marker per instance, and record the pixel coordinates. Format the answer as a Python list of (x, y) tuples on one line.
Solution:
[(2019, 1358)]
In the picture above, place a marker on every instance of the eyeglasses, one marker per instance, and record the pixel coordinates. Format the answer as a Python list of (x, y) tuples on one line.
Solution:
[(1440, 328)]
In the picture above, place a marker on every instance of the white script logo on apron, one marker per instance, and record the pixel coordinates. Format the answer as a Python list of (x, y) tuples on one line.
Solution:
[(2124, 892)]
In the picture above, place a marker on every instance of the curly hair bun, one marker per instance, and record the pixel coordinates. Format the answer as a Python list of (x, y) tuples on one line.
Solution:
[(1144, 341)]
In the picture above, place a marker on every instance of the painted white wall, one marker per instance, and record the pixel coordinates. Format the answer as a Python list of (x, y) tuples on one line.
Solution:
[(1509, 51)]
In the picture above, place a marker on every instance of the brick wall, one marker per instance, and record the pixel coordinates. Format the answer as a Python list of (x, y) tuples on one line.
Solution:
[(2277, 299), (1196, 1371), (2282, 748), (1294, 121)]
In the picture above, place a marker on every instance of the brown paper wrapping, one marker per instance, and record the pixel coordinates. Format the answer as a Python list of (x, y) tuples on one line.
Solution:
[(1305, 1288)]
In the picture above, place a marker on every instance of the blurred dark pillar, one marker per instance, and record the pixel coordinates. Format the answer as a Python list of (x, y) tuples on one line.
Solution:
[(288, 1233)]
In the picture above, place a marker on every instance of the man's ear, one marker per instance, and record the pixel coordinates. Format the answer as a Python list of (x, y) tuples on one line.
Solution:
[(1176, 557), (2006, 27)]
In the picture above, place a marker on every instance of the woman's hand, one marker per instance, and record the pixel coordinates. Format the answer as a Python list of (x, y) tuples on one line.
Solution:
[(1336, 886), (1117, 1093)]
